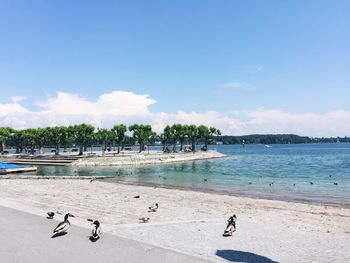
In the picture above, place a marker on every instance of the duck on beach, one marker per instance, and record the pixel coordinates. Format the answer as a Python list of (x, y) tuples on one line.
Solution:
[(50, 215), (144, 219), (96, 230), (63, 226), (153, 208), (231, 226)]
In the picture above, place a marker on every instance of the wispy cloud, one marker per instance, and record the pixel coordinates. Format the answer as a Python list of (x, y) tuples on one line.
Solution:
[(235, 86), (257, 69), (18, 99), (127, 107)]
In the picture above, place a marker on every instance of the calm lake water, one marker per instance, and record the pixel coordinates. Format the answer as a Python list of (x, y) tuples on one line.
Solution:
[(317, 173)]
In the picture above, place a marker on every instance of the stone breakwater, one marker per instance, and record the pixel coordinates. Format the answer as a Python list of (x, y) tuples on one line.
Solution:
[(145, 158)]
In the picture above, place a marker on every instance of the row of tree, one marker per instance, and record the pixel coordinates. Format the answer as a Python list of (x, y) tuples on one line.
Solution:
[(85, 135)]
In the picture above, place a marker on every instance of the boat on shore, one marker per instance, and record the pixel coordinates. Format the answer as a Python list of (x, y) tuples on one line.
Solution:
[(6, 168)]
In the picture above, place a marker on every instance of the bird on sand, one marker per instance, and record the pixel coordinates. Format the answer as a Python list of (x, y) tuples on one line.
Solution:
[(153, 208), (231, 226), (96, 230), (144, 219), (50, 215), (64, 225)]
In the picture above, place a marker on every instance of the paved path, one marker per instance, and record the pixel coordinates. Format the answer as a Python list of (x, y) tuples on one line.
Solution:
[(27, 238)]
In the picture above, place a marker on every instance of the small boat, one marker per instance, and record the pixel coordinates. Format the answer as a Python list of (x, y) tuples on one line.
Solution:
[(267, 146)]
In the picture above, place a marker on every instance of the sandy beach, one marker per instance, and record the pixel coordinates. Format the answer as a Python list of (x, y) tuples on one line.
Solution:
[(192, 222)]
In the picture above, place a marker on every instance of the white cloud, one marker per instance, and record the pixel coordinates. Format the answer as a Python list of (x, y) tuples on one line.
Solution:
[(17, 99), (127, 107), (235, 86)]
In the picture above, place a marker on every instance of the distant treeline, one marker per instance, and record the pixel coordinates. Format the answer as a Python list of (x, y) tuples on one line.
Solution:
[(276, 139)]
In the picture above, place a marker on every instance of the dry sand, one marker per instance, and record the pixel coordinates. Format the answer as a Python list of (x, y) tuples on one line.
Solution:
[(145, 158), (193, 222)]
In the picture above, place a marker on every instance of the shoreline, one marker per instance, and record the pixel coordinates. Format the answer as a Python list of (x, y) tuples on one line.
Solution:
[(192, 222), (226, 193), (112, 180)]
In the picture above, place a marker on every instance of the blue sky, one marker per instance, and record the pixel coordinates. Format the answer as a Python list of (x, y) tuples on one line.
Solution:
[(222, 56)]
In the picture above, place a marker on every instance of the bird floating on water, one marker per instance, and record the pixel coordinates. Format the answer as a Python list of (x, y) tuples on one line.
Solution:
[(153, 208), (311, 183), (144, 219), (335, 183), (63, 226), (96, 230)]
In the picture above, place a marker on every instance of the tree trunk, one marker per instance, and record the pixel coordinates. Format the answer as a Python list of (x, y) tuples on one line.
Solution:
[(142, 147), (206, 142), (118, 148), (18, 149), (32, 150), (174, 146), (104, 147), (2, 147), (57, 152), (41, 150), (81, 150), (181, 145), (193, 145)]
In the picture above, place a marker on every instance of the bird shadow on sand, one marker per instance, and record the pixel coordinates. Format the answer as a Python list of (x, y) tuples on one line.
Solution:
[(59, 234), (242, 256), (93, 239)]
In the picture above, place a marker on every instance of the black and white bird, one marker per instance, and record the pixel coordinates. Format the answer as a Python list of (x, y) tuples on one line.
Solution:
[(63, 226), (96, 230), (50, 215), (153, 208), (144, 219), (231, 226)]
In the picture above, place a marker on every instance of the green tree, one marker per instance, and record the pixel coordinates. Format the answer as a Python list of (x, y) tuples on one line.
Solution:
[(203, 132), (175, 131), (120, 137), (18, 140), (5, 133), (165, 137), (42, 136), (142, 133), (106, 137), (207, 133), (82, 135), (183, 135), (30, 137), (193, 134), (57, 135)]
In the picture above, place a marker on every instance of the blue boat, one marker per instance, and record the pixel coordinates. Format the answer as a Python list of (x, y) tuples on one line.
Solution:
[(6, 168)]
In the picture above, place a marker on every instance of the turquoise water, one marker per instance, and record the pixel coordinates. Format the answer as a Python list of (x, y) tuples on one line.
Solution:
[(9, 166), (317, 173)]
